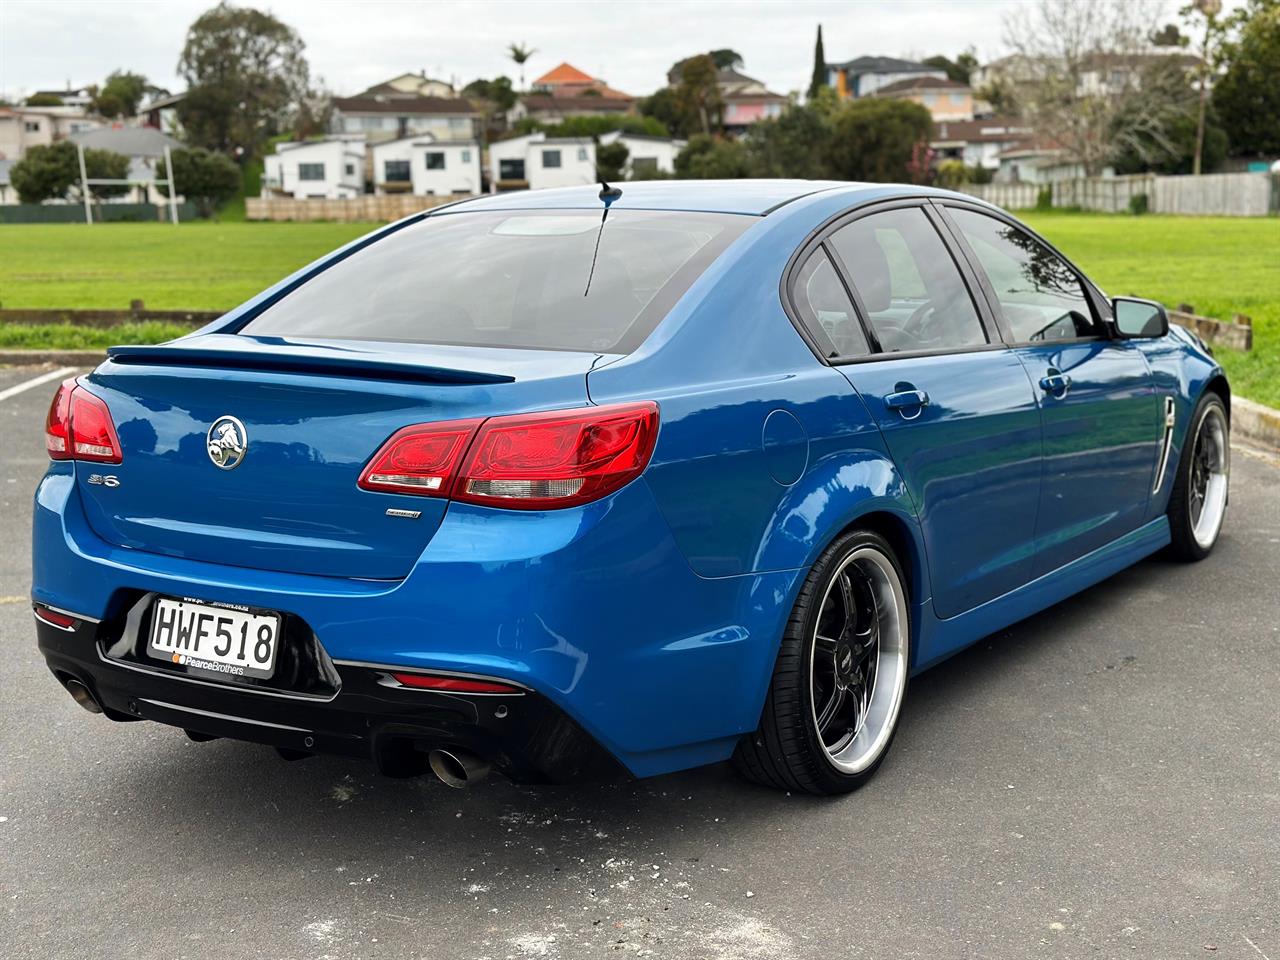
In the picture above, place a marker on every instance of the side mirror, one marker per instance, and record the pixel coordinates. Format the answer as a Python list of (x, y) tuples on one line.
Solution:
[(1139, 319)]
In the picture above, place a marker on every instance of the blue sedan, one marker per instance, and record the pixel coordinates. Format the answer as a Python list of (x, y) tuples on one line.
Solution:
[(610, 482)]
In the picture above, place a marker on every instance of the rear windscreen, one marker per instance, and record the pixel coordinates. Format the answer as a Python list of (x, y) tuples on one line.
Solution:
[(512, 279)]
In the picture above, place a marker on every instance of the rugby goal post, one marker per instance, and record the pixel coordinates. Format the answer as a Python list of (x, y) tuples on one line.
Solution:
[(86, 182)]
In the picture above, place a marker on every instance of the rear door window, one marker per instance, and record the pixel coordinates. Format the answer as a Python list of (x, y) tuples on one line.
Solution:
[(909, 286), (510, 279), (826, 310)]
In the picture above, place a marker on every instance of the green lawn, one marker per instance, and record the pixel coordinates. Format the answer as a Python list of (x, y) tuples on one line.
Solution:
[(1219, 265), (194, 266)]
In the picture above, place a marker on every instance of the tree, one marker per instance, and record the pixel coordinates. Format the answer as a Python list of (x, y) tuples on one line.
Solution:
[(245, 74), (205, 178), (794, 144), (611, 160), (1075, 81), (121, 94), (44, 100), (958, 69), (726, 59), (50, 173), (706, 158), (1164, 138), (1247, 97), (1211, 47), (878, 139), (697, 96), (819, 78), (520, 54), (663, 108)]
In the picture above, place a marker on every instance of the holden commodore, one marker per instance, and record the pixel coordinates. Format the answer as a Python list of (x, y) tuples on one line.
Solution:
[(588, 483)]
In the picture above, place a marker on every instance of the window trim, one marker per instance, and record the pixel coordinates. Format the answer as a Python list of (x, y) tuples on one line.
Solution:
[(1098, 305), (994, 333)]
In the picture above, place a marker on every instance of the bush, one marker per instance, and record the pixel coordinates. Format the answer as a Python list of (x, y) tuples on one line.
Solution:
[(1044, 199), (205, 178), (1139, 204), (879, 140), (49, 173), (952, 174)]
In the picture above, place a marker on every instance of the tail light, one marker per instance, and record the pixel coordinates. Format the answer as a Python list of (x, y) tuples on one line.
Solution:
[(536, 461), (79, 427)]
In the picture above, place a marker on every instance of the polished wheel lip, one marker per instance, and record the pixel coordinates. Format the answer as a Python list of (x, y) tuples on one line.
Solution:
[(878, 713), (1207, 483)]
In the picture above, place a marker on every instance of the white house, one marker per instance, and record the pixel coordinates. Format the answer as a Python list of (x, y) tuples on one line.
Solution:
[(646, 154), (426, 167), (535, 161), (332, 168)]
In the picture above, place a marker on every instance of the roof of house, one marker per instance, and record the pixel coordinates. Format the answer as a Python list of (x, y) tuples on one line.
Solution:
[(550, 102), (424, 140), (920, 83), (130, 141), (356, 141), (406, 106), (169, 100), (991, 130), (882, 65), (564, 73)]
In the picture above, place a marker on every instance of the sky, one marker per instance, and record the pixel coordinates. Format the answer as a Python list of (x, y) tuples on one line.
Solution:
[(353, 44)]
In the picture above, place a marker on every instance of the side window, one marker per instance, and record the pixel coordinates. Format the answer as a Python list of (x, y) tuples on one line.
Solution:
[(1040, 297), (825, 309), (911, 289)]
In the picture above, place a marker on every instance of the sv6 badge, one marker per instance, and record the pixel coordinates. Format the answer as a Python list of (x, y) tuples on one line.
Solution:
[(110, 480)]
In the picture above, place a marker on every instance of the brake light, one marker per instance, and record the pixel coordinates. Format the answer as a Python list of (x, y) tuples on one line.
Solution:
[(534, 461), (560, 458), (421, 459), (79, 427), (57, 426), (422, 681), (60, 620)]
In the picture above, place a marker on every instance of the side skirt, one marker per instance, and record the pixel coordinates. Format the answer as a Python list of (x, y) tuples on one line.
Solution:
[(940, 639)]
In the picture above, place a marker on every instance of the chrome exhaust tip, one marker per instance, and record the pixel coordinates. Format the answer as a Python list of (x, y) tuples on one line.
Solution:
[(457, 768), (81, 695)]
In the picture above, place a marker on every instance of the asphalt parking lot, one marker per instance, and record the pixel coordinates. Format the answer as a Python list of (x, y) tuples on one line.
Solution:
[(1102, 780)]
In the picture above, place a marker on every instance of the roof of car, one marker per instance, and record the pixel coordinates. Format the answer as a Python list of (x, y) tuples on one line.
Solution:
[(755, 197)]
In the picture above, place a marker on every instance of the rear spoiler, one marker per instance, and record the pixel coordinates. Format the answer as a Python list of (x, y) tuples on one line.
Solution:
[(250, 353)]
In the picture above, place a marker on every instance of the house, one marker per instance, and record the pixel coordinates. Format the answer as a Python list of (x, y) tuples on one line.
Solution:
[(1040, 162), (162, 113), (426, 167), (145, 149), (535, 161), (567, 91), (863, 76), (978, 143), (7, 193), (79, 97), (646, 155), (331, 168), (1100, 74), (406, 106), (746, 100), (24, 127), (944, 99)]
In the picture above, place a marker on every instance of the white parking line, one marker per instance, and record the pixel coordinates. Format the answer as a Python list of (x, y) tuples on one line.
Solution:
[(35, 382)]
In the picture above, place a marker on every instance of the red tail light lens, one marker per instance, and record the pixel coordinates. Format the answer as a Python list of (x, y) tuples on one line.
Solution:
[(558, 459), (452, 684), (79, 427), (422, 459), (535, 461), (57, 426)]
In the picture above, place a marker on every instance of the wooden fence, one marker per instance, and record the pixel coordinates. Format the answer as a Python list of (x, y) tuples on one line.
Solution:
[(1214, 194), (369, 207)]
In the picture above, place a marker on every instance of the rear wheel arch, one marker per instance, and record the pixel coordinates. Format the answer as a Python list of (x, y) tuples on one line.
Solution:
[(1218, 384)]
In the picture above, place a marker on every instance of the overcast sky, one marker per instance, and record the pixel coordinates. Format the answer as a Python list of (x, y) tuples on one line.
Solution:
[(352, 44)]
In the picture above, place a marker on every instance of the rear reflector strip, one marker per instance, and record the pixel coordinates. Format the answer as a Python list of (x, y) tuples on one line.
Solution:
[(422, 681), (53, 618)]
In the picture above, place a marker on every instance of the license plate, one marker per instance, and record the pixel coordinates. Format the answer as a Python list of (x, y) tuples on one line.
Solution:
[(214, 638)]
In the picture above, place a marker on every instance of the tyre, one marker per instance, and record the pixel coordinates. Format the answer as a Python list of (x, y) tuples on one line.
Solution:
[(841, 676), (1198, 501)]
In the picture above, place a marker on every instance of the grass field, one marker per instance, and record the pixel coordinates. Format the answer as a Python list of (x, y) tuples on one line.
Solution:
[(1219, 265)]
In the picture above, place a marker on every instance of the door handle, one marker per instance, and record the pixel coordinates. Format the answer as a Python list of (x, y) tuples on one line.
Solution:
[(1055, 383), (905, 400)]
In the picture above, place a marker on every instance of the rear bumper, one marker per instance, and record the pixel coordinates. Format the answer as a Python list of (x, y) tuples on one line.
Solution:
[(523, 735), (594, 610)]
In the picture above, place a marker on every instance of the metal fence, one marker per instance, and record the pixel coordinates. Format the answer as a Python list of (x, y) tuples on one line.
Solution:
[(102, 212), (1215, 194)]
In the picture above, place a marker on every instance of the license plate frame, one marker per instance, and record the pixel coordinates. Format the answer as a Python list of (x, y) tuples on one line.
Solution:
[(188, 633)]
